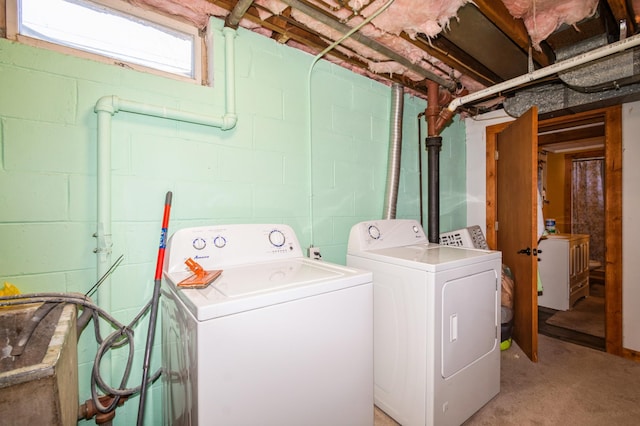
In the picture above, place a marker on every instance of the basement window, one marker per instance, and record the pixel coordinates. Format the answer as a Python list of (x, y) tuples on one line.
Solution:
[(114, 30)]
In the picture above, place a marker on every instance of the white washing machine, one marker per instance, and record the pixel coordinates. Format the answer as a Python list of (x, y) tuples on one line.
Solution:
[(436, 322), (277, 339)]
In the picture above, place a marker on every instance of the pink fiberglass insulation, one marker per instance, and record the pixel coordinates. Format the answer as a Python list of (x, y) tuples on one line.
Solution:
[(194, 11), (415, 16), (429, 17), (543, 17), (276, 7), (377, 62)]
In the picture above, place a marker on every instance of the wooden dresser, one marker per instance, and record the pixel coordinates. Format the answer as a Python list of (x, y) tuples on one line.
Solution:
[(564, 270)]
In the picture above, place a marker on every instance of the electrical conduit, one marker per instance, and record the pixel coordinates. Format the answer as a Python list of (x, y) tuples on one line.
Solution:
[(310, 134), (106, 107)]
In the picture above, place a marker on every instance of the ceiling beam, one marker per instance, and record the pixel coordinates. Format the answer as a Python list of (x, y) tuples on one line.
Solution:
[(571, 135), (550, 126)]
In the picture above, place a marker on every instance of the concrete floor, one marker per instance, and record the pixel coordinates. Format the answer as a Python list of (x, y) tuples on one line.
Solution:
[(570, 385)]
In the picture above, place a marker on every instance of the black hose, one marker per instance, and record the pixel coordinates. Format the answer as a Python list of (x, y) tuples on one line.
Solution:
[(26, 333), (121, 336)]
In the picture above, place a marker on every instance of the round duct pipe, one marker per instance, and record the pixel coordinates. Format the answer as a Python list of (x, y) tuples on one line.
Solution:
[(395, 151)]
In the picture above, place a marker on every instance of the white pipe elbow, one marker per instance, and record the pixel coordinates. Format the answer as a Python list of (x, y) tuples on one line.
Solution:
[(107, 104), (229, 121)]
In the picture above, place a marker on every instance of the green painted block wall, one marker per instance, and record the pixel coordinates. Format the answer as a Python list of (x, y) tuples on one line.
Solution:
[(319, 166)]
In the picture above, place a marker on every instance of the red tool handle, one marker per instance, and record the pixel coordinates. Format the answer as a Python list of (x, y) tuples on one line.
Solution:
[(163, 235)]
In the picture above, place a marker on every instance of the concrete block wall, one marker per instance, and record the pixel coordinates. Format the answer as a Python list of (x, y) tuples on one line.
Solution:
[(320, 176)]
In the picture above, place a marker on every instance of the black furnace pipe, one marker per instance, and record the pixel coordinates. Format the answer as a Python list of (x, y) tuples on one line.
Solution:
[(433, 145)]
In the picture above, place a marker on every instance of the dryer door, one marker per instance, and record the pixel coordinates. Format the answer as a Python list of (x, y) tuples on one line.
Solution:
[(469, 320)]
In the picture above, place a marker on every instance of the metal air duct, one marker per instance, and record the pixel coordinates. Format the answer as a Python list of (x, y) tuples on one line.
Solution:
[(395, 151), (602, 83)]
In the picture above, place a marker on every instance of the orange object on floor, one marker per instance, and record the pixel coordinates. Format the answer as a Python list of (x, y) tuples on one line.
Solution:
[(200, 277)]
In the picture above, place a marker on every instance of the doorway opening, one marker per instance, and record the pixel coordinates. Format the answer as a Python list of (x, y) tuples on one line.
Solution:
[(571, 178), (578, 127)]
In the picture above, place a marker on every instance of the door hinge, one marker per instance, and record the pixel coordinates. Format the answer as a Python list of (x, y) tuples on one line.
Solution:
[(496, 155), (496, 227)]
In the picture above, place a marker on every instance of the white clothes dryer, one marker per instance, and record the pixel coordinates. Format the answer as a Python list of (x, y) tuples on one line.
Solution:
[(277, 339), (436, 322)]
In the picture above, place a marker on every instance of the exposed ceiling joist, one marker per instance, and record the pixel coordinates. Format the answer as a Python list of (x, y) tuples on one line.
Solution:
[(571, 134), (457, 43)]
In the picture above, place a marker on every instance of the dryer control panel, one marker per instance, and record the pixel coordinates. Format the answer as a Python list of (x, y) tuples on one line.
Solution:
[(220, 246), (385, 233)]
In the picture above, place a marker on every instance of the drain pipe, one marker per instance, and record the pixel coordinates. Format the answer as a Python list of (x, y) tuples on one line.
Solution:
[(433, 145), (395, 151), (106, 107), (627, 43), (233, 19)]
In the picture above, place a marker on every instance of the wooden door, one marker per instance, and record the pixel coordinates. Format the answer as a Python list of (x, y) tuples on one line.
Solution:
[(517, 200)]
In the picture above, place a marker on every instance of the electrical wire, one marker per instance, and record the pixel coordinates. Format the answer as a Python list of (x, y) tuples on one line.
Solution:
[(104, 276)]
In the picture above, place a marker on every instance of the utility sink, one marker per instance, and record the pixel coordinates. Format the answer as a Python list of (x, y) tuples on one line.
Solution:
[(40, 385)]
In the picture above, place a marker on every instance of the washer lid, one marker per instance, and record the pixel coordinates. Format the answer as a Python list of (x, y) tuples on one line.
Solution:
[(253, 286), (430, 257), (261, 278)]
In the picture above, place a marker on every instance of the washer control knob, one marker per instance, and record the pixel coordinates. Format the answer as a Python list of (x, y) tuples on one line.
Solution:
[(416, 229), (374, 232), (199, 243), (277, 238), (219, 241)]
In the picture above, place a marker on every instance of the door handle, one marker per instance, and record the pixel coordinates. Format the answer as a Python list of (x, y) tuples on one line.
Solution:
[(528, 251)]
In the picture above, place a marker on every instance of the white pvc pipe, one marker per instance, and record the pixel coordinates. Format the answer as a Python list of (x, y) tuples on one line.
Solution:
[(581, 59), (105, 108), (229, 75), (116, 104)]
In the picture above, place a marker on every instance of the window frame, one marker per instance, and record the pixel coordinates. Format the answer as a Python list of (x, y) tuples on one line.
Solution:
[(12, 26)]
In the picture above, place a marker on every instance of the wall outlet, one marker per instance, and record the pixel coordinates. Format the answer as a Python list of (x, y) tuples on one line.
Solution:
[(314, 253)]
